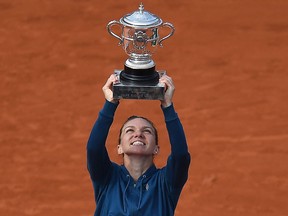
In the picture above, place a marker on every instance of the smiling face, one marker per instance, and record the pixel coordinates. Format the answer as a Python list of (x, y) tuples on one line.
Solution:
[(138, 137)]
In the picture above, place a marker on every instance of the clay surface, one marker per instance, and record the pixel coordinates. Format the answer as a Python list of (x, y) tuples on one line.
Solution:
[(228, 59)]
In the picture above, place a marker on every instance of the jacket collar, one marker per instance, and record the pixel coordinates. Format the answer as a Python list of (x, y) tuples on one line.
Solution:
[(151, 170)]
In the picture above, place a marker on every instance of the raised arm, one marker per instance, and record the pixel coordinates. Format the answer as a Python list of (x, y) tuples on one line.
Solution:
[(98, 161), (179, 160)]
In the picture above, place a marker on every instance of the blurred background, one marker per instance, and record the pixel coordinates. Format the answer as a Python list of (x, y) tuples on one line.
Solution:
[(228, 59)]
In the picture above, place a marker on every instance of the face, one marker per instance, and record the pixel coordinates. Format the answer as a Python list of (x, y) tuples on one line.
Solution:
[(138, 138)]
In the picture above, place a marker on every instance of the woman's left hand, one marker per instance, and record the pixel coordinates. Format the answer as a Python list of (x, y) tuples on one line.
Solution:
[(169, 90)]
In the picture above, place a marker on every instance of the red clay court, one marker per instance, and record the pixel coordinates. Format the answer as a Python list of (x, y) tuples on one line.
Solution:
[(229, 63)]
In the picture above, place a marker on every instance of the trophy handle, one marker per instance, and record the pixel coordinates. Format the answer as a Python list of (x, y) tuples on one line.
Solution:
[(109, 26), (169, 25)]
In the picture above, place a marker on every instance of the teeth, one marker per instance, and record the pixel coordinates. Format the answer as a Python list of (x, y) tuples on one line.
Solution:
[(138, 143)]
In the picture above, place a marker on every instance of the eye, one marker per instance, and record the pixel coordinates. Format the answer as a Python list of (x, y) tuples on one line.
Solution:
[(129, 130), (147, 131)]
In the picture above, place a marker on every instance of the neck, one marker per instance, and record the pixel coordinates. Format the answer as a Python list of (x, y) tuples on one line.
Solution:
[(137, 165)]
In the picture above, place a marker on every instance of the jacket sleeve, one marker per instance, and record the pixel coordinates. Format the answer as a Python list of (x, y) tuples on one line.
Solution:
[(98, 161), (179, 160)]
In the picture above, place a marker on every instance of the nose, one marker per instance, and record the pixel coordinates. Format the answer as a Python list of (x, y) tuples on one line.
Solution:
[(138, 133)]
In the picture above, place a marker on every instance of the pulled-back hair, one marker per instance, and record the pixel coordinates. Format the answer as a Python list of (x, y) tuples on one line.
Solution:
[(141, 117)]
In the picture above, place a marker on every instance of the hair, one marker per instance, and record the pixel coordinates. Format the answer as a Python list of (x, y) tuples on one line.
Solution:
[(141, 117)]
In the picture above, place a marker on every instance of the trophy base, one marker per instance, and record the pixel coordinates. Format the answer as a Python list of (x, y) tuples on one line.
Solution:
[(122, 90)]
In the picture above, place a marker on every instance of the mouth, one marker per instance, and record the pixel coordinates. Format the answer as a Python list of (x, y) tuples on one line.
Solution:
[(138, 143)]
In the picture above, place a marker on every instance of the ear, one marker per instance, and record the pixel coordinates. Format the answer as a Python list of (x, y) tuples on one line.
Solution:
[(119, 150), (156, 150)]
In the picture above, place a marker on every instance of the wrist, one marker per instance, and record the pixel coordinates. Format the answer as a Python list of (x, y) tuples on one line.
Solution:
[(166, 104), (113, 101)]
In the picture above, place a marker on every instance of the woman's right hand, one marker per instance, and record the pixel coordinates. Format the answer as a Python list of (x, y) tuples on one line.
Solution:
[(107, 89)]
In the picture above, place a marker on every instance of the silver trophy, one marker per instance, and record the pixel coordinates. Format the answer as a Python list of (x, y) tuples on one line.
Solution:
[(140, 39)]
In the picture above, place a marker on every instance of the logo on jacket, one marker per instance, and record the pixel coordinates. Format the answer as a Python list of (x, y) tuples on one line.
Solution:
[(147, 187)]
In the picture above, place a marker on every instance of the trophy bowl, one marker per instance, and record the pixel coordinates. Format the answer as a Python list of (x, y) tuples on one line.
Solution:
[(140, 39)]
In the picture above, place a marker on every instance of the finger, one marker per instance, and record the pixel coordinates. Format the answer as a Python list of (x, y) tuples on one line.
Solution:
[(168, 82), (166, 79), (110, 81)]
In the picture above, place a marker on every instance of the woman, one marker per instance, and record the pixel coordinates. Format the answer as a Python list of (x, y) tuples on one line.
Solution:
[(137, 187)]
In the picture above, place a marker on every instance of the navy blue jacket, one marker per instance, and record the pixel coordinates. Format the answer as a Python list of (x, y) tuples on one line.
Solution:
[(156, 192)]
